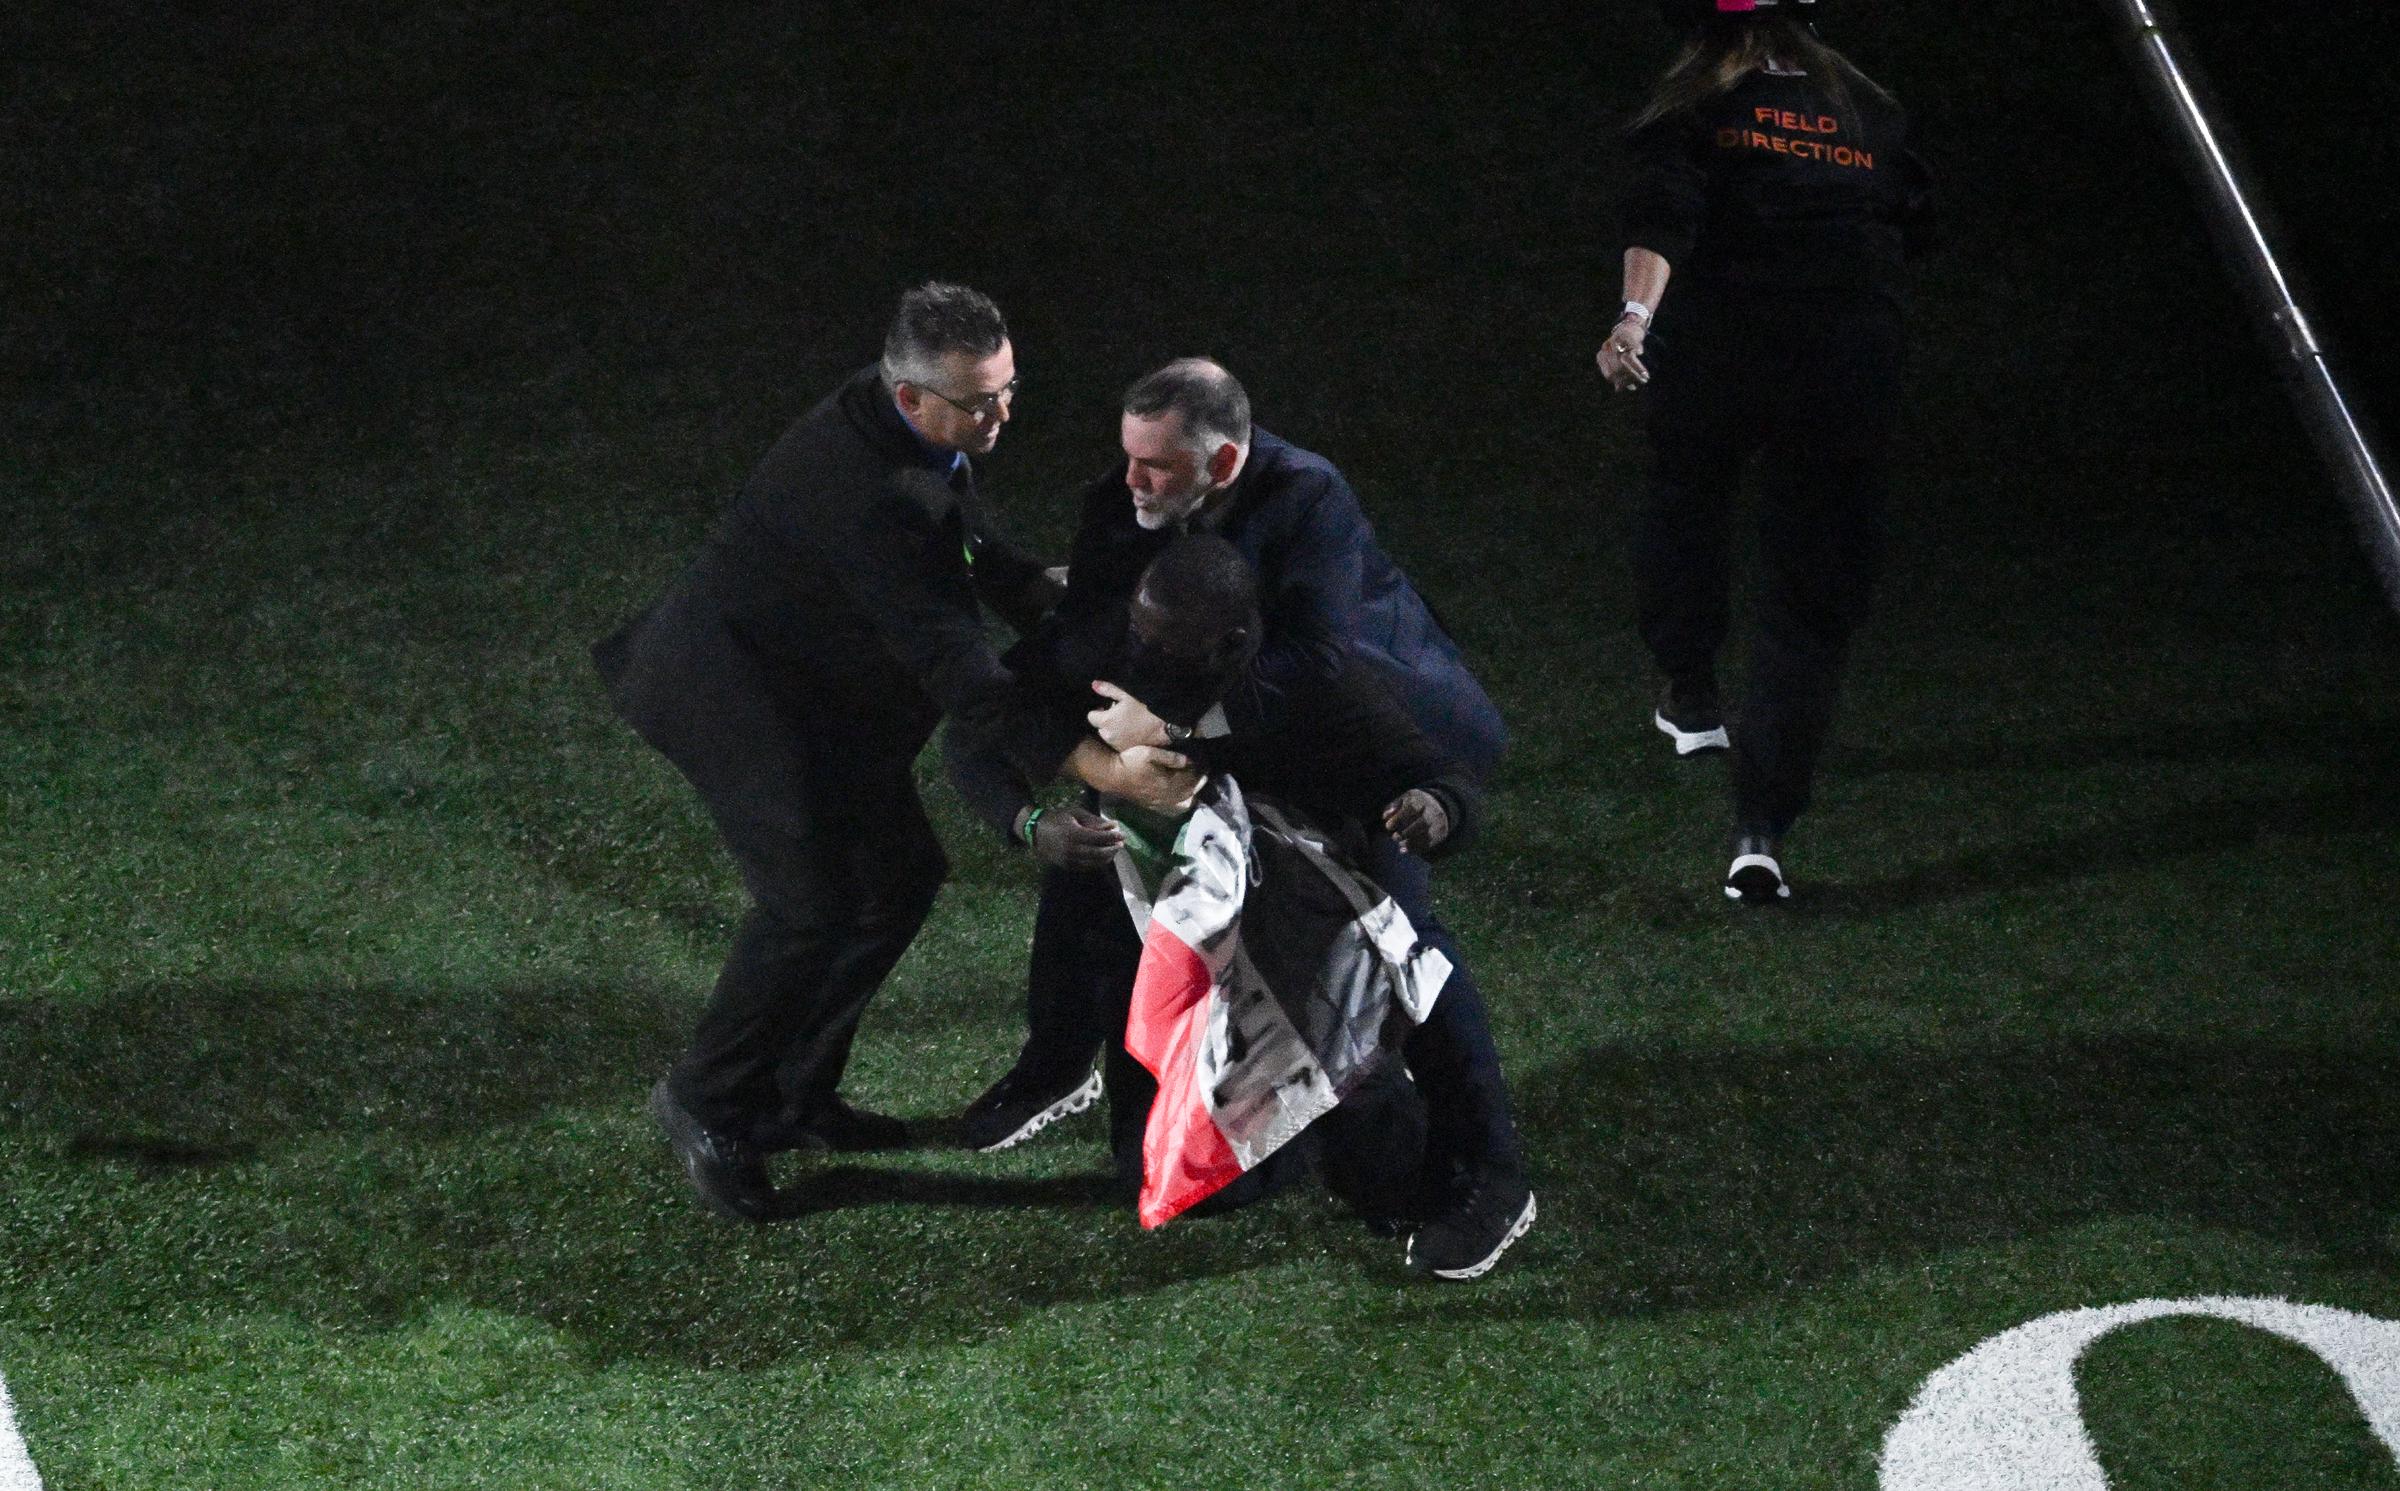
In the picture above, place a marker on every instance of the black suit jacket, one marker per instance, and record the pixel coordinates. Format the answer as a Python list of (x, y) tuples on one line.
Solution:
[(837, 598)]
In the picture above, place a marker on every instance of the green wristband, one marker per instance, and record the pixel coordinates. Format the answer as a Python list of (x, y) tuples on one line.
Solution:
[(1031, 819)]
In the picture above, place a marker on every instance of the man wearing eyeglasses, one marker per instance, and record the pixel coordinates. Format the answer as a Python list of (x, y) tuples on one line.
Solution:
[(792, 675)]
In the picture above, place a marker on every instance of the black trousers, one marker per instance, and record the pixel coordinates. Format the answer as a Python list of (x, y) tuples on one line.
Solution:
[(842, 869), (1807, 387), (1453, 1056)]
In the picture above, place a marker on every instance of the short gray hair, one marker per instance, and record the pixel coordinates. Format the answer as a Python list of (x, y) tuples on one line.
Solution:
[(936, 321), (1207, 398)]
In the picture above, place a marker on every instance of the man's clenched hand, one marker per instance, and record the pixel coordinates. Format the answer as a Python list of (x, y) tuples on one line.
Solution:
[(1416, 821), (1075, 838)]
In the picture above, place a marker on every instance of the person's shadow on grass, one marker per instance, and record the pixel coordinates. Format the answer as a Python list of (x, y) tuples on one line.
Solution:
[(1681, 1178), (1670, 1177), (362, 1152), (2344, 770), (191, 1075)]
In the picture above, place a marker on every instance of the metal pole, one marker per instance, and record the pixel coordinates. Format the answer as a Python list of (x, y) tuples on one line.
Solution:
[(2243, 240)]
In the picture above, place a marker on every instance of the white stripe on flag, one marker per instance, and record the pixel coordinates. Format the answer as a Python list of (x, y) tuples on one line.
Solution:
[(1417, 980), (16, 1465), (1277, 1088)]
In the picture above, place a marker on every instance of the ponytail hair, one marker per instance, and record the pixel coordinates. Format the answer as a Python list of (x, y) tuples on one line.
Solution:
[(1728, 49)]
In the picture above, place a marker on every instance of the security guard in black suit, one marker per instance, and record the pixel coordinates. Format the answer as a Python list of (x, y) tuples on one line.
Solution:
[(792, 675), (1774, 181)]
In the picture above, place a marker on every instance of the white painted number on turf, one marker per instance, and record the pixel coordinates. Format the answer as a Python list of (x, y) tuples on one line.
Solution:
[(2004, 1417), (16, 1466)]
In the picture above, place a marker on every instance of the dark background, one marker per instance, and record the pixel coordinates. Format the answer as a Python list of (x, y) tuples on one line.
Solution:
[(427, 223), (360, 366), (444, 329)]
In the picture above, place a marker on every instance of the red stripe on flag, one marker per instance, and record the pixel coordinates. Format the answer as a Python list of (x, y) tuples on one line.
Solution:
[(1169, 984), (1185, 1158)]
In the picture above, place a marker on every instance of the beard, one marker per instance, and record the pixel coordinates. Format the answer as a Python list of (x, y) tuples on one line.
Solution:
[(1154, 519)]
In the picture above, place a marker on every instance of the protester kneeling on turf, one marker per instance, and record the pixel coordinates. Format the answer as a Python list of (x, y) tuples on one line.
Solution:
[(1349, 761)]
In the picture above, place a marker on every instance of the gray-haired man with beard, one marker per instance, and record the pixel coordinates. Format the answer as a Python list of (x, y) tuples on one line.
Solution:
[(1332, 602)]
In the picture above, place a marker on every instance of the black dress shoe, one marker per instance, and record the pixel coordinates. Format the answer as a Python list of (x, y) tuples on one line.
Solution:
[(729, 1173), (838, 1128)]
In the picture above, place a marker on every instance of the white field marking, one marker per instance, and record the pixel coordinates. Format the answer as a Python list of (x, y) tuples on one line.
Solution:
[(16, 1466), (2005, 1416)]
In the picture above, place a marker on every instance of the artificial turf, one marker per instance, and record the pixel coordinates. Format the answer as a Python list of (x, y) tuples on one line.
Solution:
[(363, 369)]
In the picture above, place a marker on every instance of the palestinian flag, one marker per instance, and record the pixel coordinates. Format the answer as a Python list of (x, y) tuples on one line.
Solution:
[(1273, 979)]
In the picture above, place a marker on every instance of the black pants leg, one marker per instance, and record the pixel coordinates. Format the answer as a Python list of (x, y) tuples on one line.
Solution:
[(1452, 1055), (1809, 385), (1821, 547), (1701, 434), (1371, 1149), (1082, 939), (884, 921), (842, 869)]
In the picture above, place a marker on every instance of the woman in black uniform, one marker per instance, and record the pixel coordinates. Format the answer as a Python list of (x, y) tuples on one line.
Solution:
[(1775, 187)]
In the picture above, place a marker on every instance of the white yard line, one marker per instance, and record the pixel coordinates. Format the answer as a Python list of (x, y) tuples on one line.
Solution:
[(2005, 1417), (16, 1466)]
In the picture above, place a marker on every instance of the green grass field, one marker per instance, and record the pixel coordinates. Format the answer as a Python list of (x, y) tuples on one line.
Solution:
[(359, 373)]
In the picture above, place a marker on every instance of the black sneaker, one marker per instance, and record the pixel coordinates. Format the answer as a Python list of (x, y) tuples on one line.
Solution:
[(1395, 1218), (1689, 715), (1492, 1210), (1755, 877), (729, 1173), (1017, 1107)]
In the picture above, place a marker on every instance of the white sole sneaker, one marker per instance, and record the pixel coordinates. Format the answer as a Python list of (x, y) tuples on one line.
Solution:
[(1756, 877), (1067, 1107), (1692, 742), (1481, 1266)]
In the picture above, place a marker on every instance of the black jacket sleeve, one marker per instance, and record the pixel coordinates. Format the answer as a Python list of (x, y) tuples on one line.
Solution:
[(1414, 761), (1664, 208), (903, 566), (1011, 580), (1349, 751), (995, 791), (1366, 723), (1916, 209), (1051, 672)]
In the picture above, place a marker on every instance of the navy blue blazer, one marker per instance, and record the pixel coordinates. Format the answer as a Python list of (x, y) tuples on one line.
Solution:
[(1326, 586)]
